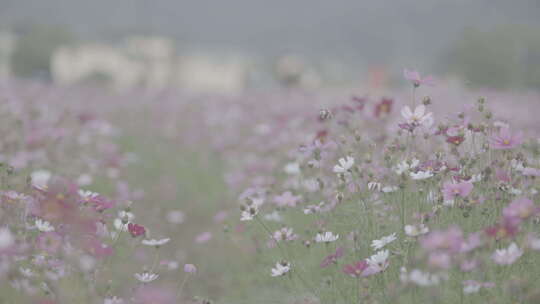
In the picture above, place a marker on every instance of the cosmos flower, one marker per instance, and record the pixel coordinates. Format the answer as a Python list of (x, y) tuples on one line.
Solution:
[(421, 175), (417, 118), (472, 286), (43, 226), (414, 77), (281, 268), (419, 277), (507, 256), (452, 190), (377, 263), (326, 237), (356, 269), (521, 208), (344, 164), (156, 243), (285, 234), (136, 230), (146, 277), (505, 139), (384, 107), (416, 230), (332, 258), (378, 244), (190, 268)]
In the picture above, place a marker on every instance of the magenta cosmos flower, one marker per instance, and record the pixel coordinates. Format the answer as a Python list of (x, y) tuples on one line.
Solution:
[(356, 269), (414, 77), (505, 139), (332, 258), (452, 190)]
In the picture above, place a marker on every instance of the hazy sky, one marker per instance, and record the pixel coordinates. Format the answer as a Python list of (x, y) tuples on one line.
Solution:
[(378, 29)]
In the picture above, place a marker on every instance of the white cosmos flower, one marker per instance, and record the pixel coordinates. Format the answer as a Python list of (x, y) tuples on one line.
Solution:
[(420, 175), (421, 278), (87, 195), (378, 244), (344, 164), (406, 165), (44, 226), (40, 178), (249, 213), (292, 168), (412, 230), (374, 186), (533, 242), (379, 261), (6, 238), (507, 256), (389, 189), (419, 117), (113, 300), (154, 242), (273, 217), (281, 268), (146, 277), (326, 237)]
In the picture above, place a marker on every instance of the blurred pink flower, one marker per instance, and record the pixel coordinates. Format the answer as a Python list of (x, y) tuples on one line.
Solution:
[(384, 107), (452, 190), (507, 228), (203, 237), (450, 240), (414, 77), (332, 258), (287, 199), (50, 242), (190, 268), (149, 294), (521, 208), (505, 139)]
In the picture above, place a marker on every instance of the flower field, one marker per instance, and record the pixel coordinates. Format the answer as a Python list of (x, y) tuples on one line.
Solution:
[(424, 194)]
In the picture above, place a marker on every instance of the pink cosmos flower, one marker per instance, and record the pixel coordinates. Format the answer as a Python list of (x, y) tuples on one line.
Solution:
[(50, 242), (521, 208), (440, 259), (136, 230), (332, 258), (528, 171), (384, 107), (203, 237), (505, 139), (285, 234), (450, 240), (508, 228), (453, 190), (190, 268), (148, 294), (286, 199), (414, 77), (356, 269)]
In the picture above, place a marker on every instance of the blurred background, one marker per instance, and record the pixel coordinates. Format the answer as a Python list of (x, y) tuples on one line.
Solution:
[(230, 46)]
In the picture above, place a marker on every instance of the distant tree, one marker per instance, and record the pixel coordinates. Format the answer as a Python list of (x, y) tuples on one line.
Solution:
[(506, 56), (34, 49)]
